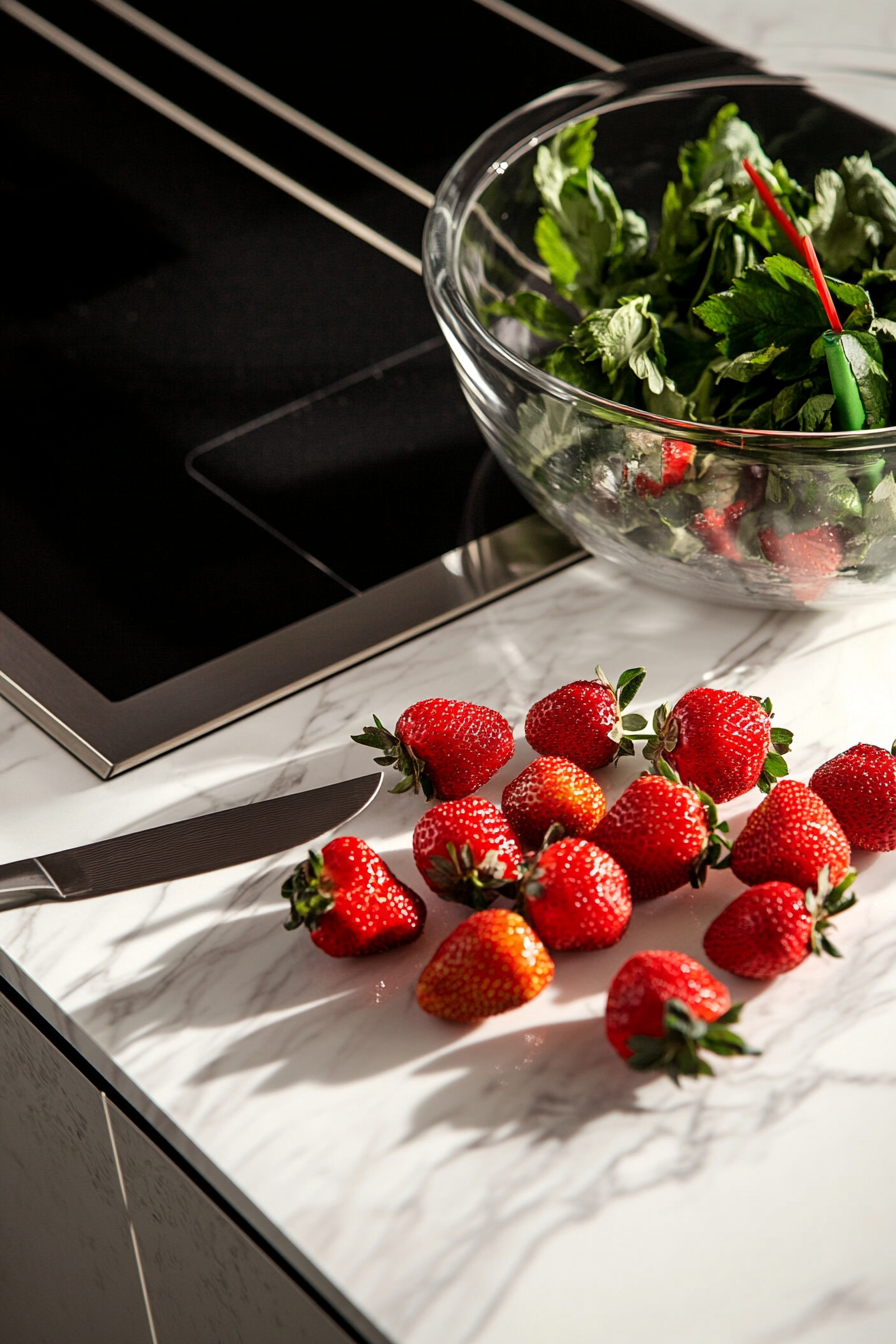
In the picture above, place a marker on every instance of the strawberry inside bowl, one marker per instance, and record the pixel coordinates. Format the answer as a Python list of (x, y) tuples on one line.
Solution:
[(642, 357)]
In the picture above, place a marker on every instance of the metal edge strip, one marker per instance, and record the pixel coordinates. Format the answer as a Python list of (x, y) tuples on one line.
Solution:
[(112, 736)]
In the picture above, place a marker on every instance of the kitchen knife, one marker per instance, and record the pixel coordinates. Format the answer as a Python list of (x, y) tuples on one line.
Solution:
[(183, 848)]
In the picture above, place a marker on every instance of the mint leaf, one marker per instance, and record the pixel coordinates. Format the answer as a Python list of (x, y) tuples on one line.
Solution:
[(627, 336), (583, 234), (815, 414)]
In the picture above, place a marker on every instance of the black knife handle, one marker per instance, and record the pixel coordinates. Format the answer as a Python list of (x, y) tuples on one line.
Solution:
[(26, 883)]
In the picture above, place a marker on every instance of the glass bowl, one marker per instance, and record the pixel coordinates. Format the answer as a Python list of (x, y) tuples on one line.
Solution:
[(774, 519)]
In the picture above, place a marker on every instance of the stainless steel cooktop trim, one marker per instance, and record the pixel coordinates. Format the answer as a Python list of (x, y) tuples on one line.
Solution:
[(100, 66), (110, 736), (166, 38)]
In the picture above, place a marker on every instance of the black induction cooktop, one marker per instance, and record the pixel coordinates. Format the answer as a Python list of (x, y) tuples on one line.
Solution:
[(236, 457)]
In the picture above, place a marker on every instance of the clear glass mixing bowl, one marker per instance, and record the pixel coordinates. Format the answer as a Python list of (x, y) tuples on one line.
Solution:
[(768, 519)]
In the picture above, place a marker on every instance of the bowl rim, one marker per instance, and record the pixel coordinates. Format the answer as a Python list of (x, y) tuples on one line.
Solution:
[(459, 193)]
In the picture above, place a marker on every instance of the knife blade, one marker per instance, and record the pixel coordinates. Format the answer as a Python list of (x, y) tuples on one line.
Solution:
[(183, 848)]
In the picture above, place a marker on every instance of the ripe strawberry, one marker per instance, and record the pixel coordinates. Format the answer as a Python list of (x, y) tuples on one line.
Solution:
[(808, 559), (663, 833), (466, 851), (773, 927), (576, 897), (584, 722), (721, 741), (659, 1010), (350, 902), (859, 786), (553, 790), (677, 456), (447, 748), (489, 964), (717, 529), (790, 837)]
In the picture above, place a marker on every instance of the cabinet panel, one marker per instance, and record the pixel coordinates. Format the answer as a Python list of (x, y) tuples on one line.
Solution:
[(206, 1280), (67, 1266)]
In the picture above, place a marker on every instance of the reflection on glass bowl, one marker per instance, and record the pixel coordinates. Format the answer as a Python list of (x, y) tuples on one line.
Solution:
[(752, 517)]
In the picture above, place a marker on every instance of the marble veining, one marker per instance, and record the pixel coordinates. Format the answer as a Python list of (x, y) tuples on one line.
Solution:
[(471, 1185)]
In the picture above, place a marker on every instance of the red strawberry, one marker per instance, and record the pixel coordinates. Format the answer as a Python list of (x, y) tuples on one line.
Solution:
[(583, 721), (773, 927), (659, 1008), (489, 964), (790, 837), (808, 559), (721, 741), (576, 897), (447, 748), (351, 903), (663, 833), (466, 851), (553, 790), (859, 786), (677, 457), (717, 529)]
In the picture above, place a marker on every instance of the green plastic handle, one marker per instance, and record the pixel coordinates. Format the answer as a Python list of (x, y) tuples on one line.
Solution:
[(850, 411)]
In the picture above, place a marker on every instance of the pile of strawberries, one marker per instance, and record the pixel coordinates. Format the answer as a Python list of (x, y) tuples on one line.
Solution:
[(552, 870)]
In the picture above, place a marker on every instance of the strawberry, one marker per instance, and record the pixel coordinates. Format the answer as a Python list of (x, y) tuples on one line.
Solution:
[(773, 927), (809, 560), (721, 742), (663, 833), (790, 837), (663, 1007), (677, 456), (489, 964), (447, 748), (584, 721), (576, 897), (859, 786), (553, 790), (466, 851), (717, 529), (350, 902)]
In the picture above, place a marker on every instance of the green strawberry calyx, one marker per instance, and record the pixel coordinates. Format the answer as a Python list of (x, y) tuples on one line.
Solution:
[(677, 1051), (774, 767), (309, 892), (716, 848), (400, 756), (625, 690), (528, 885), (824, 904), (458, 877)]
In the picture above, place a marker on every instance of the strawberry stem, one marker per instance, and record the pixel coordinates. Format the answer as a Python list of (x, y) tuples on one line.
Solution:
[(677, 1051)]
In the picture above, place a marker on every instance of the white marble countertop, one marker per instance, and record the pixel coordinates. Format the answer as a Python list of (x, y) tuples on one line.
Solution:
[(513, 1180)]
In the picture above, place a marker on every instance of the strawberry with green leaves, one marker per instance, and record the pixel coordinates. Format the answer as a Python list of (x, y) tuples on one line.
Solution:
[(664, 1008), (446, 748), (663, 833), (350, 902), (575, 896), (553, 790), (859, 786), (467, 851), (773, 927), (791, 837), (721, 742), (585, 720), (492, 962)]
